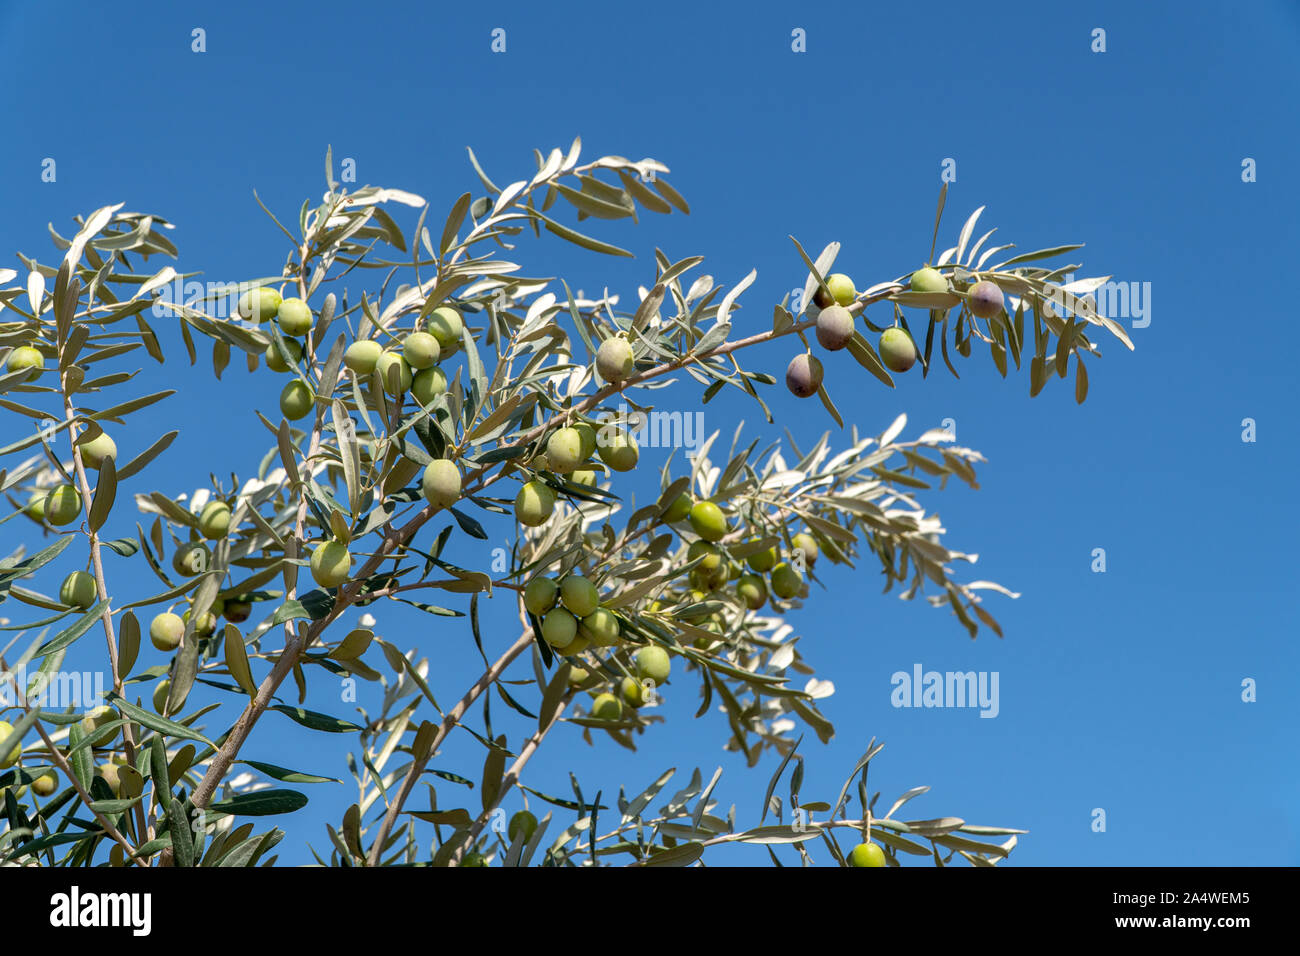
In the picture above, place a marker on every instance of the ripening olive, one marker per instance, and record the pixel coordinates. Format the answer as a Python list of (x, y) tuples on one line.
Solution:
[(294, 316), (588, 436), (803, 376), (259, 304), (708, 521), (362, 356), (841, 291), (160, 696), (614, 359), (427, 384), (601, 627), (445, 325), (540, 594), (11, 758), (394, 373), (678, 508), (867, 854), (564, 450), (35, 507), (214, 520), (236, 611), (95, 450), (275, 362), (534, 503), (933, 281), (633, 692), (653, 662), (929, 280), (762, 561), (24, 357), (296, 400), (896, 350), (559, 628), (752, 590), (786, 581), (204, 626), (78, 590), (579, 643), (331, 563), (62, 505), (522, 824), (579, 595), (95, 720), (834, 328), (421, 350), (711, 553), (984, 299), (109, 771), (808, 545), (617, 449), (606, 707), (191, 558), (166, 630), (441, 483)]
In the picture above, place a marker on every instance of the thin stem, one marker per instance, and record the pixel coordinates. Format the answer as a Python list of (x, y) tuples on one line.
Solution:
[(488, 678), (101, 586), (511, 778)]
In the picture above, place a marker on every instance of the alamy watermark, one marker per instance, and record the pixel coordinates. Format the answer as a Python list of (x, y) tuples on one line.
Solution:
[(923, 688), (56, 690), (656, 429), (1115, 300), (216, 300)]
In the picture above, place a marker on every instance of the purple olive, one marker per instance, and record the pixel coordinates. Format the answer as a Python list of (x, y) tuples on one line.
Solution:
[(984, 299), (834, 327), (804, 375)]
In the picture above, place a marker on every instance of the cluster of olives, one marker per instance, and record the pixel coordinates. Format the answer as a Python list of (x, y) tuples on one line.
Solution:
[(803, 376), (568, 452), (897, 350), (62, 504), (573, 621), (652, 666), (412, 367), (716, 568), (571, 615), (984, 299), (569, 449)]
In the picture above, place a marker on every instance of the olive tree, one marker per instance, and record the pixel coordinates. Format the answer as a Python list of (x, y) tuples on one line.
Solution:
[(433, 392)]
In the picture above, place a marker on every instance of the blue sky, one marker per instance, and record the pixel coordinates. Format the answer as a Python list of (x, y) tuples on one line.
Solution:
[(1119, 690)]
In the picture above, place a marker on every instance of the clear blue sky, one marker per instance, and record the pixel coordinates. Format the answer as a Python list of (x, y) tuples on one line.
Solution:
[(1119, 690)]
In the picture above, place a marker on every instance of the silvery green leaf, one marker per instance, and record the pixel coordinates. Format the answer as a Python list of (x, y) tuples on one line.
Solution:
[(976, 248), (724, 308), (672, 195), (910, 794), (966, 232), (35, 291)]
